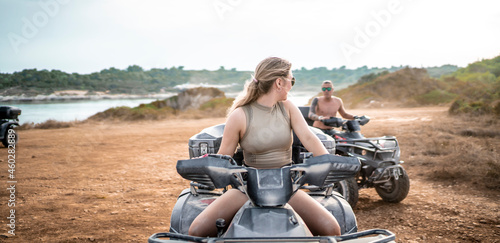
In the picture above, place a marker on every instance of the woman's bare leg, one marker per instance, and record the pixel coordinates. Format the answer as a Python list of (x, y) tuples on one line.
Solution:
[(224, 207), (319, 220)]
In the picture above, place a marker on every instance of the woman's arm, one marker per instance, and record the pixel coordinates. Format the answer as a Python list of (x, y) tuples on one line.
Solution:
[(234, 129), (310, 141)]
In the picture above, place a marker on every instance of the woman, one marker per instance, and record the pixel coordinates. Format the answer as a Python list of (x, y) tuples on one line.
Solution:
[(261, 120)]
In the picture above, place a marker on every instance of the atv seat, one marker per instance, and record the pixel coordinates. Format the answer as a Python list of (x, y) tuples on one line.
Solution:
[(305, 113)]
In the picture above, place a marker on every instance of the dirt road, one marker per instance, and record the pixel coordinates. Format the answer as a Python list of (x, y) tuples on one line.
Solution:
[(110, 182)]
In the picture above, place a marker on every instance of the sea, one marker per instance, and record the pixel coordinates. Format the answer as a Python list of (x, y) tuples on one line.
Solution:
[(79, 110)]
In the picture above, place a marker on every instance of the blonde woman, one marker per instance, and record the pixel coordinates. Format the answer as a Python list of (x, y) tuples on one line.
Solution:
[(261, 121)]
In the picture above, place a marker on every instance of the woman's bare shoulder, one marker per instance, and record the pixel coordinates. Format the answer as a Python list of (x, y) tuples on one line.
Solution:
[(291, 108), (288, 104), (237, 115)]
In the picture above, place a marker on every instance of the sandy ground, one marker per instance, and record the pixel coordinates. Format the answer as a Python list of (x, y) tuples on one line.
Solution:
[(110, 182)]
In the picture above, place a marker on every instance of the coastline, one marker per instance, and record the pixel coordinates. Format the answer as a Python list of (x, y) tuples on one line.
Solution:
[(61, 97), (78, 105)]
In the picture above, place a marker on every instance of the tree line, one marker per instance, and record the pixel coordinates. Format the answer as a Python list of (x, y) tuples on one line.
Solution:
[(135, 80)]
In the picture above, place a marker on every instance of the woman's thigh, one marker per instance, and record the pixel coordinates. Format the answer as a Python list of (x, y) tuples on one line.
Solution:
[(319, 220), (224, 207)]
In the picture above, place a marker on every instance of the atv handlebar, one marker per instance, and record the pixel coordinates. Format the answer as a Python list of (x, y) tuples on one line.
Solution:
[(217, 171), (338, 122), (268, 187), (347, 125), (334, 122)]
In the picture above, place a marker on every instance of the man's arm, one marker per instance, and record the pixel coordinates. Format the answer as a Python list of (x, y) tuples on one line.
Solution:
[(342, 111), (312, 111)]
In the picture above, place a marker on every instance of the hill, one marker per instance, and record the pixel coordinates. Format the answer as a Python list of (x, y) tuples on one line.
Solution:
[(407, 87), (474, 89), (477, 86)]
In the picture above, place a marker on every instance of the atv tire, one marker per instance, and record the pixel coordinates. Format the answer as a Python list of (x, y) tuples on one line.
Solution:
[(394, 191), (348, 188), (5, 140)]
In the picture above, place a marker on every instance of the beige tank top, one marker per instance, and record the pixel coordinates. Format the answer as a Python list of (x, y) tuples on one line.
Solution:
[(267, 142)]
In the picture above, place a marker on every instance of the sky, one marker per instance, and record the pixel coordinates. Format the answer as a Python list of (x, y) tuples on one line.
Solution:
[(86, 36)]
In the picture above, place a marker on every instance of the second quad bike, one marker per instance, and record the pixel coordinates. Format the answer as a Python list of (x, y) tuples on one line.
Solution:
[(380, 158)]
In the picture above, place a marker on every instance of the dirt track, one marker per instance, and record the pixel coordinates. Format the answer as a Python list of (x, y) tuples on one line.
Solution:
[(117, 182)]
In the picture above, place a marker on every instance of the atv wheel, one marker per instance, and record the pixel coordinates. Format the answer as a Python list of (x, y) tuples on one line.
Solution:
[(5, 140), (348, 188), (394, 191)]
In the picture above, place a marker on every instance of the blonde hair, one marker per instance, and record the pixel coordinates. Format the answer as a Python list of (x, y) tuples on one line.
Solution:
[(266, 72)]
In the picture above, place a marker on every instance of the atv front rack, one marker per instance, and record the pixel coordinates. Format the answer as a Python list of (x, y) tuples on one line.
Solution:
[(381, 148), (372, 236), (375, 142)]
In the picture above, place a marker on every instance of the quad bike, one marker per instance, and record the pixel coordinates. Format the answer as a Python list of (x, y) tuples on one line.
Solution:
[(380, 158), (209, 139), (266, 216), (8, 121)]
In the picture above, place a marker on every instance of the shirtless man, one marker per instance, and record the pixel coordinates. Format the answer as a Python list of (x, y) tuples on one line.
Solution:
[(327, 106)]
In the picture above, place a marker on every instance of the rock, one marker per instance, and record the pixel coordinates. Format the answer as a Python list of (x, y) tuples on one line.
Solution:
[(191, 98)]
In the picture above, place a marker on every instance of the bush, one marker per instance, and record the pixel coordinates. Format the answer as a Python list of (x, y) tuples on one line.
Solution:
[(435, 97), (475, 107)]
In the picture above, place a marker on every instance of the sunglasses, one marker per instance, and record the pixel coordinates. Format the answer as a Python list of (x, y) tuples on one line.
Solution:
[(325, 89), (293, 81)]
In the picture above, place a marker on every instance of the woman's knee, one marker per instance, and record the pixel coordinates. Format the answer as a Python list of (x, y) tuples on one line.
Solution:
[(194, 230)]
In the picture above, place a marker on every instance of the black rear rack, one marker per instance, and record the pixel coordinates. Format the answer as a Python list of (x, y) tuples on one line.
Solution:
[(374, 236)]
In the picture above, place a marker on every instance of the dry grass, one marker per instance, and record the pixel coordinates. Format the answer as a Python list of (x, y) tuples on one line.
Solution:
[(459, 149), (49, 124)]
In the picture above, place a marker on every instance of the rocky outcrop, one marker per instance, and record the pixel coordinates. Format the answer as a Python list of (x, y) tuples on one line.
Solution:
[(190, 99)]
